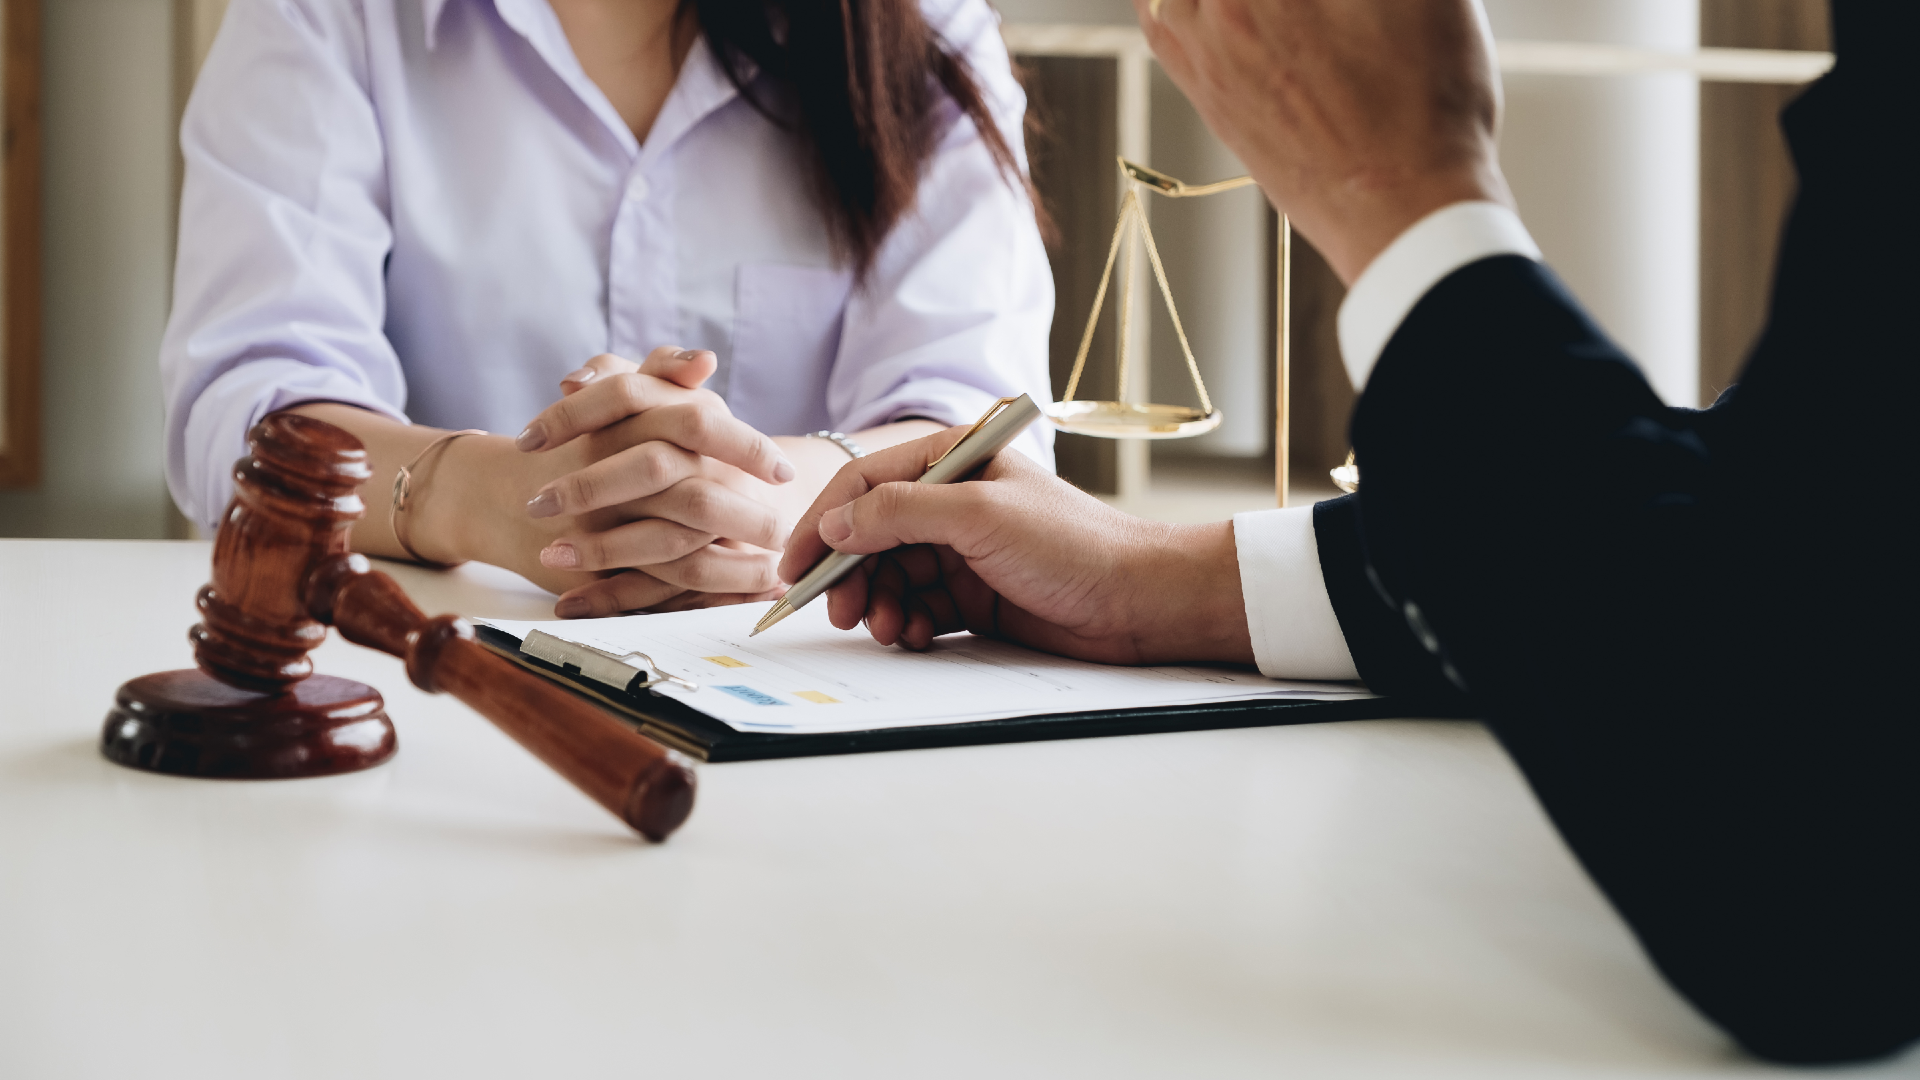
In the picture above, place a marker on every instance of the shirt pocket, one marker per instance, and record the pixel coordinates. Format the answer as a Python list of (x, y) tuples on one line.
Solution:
[(786, 334)]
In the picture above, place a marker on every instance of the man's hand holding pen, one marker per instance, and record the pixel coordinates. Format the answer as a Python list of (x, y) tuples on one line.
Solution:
[(1019, 554)]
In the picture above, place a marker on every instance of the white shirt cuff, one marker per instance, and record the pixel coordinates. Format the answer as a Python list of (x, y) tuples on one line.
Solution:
[(1295, 632), (1416, 261)]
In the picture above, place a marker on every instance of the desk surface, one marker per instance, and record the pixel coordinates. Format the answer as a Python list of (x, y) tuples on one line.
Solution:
[(1366, 899)]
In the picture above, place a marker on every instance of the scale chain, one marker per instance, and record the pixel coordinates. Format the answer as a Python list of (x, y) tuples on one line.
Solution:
[(1099, 301), (1166, 293), (1133, 215)]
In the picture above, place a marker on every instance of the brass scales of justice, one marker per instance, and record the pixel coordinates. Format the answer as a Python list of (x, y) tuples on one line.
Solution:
[(1130, 420)]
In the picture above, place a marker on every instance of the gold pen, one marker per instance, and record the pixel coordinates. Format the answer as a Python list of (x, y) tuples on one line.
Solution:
[(990, 434)]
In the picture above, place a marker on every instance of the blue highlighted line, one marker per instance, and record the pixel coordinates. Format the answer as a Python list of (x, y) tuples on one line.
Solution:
[(749, 694)]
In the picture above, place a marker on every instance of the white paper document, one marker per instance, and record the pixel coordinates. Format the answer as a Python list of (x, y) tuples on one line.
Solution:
[(803, 676)]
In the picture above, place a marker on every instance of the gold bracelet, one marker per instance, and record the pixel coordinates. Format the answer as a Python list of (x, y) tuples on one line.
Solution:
[(403, 487)]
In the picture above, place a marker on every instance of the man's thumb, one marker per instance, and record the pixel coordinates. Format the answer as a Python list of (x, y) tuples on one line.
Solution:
[(837, 524)]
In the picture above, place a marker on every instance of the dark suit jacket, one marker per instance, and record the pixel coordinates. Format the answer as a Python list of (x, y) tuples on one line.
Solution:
[(1694, 630)]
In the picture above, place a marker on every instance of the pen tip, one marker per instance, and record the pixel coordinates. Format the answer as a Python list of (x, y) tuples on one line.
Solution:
[(780, 610)]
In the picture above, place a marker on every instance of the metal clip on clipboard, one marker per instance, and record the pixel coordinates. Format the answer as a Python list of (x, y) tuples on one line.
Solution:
[(609, 669)]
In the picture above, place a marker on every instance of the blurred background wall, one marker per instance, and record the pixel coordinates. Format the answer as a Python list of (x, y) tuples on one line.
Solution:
[(1606, 171), (107, 119)]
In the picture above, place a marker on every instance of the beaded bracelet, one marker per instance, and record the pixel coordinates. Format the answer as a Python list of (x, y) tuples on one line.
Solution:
[(852, 448)]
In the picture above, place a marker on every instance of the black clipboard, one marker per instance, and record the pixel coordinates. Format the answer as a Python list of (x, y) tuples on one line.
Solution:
[(700, 736)]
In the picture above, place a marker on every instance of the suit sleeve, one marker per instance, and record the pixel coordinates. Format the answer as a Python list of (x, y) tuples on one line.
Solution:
[(1388, 657), (1521, 481)]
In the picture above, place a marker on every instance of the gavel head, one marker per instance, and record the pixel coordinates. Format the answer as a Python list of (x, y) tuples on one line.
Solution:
[(295, 498)]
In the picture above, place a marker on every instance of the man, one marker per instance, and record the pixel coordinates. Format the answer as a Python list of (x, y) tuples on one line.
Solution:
[(1687, 628)]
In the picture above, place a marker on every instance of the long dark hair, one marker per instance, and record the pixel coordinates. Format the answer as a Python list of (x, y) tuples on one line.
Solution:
[(857, 83)]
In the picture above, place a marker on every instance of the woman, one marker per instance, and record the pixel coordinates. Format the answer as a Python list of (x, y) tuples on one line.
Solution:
[(436, 210)]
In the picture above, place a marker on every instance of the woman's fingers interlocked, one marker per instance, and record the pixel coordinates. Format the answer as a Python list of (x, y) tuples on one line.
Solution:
[(709, 575), (685, 367), (597, 368), (637, 544), (719, 569), (665, 447), (606, 399), (634, 473), (635, 407), (635, 590), (671, 525), (707, 428), (653, 486)]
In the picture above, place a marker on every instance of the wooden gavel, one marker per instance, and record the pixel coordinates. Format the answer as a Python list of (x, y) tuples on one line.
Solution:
[(281, 575)]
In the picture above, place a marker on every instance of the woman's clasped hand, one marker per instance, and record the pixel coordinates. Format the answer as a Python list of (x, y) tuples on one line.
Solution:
[(659, 491)]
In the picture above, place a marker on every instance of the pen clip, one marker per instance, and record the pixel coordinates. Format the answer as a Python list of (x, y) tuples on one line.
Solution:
[(992, 411)]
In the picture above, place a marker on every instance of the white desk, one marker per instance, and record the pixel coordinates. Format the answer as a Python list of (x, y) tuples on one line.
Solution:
[(1371, 899)]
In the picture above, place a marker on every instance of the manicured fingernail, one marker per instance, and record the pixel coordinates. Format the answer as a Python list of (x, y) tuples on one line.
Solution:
[(579, 375), (533, 438), (559, 555), (686, 354), (836, 524), (783, 470), (544, 505), (573, 607)]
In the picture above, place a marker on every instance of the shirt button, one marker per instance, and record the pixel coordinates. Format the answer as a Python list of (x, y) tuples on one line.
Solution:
[(637, 189)]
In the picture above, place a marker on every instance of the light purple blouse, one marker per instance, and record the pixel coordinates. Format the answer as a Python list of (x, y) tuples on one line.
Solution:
[(426, 208)]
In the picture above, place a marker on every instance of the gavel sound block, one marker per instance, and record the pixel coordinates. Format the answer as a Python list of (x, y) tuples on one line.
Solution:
[(281, 575)]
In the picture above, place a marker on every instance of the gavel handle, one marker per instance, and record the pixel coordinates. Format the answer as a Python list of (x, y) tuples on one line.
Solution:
[(644, 784)]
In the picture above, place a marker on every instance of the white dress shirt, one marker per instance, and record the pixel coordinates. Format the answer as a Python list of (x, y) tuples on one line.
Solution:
[(1295, 632), (425, 208)]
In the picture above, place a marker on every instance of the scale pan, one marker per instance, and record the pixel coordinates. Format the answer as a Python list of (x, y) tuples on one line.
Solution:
[(1122, 420)]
